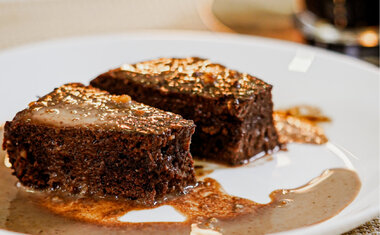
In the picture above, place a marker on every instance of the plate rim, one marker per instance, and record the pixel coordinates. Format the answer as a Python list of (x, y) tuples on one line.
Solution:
[(194, 35), (176, 35)]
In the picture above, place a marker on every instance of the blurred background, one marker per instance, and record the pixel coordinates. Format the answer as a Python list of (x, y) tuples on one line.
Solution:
[(347, 26)]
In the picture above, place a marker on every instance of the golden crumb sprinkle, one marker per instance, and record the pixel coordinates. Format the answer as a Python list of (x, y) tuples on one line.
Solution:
[(193, 75), (121, 98), (139, 112), (31, 103), (209, 78)]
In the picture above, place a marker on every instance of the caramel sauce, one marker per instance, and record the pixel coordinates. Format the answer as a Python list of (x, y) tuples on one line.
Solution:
[(207, 208), (299, 124)]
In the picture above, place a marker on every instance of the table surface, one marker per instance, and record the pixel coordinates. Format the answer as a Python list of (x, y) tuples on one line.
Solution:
[(28, 21)]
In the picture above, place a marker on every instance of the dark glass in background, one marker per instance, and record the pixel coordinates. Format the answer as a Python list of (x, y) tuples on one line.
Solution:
[(346, 13), (347, 26)]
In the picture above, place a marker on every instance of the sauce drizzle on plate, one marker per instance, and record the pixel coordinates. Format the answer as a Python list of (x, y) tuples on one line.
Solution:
[(207, 207)]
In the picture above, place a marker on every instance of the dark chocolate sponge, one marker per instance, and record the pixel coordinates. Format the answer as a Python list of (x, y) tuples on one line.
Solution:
[(83, 140), (232, 110)]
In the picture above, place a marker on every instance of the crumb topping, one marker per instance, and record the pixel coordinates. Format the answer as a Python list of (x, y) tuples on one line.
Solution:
[(75, 104), (193, 75)]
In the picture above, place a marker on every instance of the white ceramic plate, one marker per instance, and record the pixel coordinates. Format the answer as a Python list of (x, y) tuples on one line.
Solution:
[(347, 90)]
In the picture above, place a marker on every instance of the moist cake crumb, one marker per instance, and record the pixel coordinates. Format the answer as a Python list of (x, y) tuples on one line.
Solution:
[(82, 140), (232, 110)]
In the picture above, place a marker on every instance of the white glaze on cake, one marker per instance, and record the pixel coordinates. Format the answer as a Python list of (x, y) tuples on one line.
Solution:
[(76, 105)]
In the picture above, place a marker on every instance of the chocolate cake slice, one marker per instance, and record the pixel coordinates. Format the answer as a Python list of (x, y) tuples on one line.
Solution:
[(232, 110), (82, 140)]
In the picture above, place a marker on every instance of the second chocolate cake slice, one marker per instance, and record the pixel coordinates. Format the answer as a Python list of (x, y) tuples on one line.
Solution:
[(232, 110), (83, 140)]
